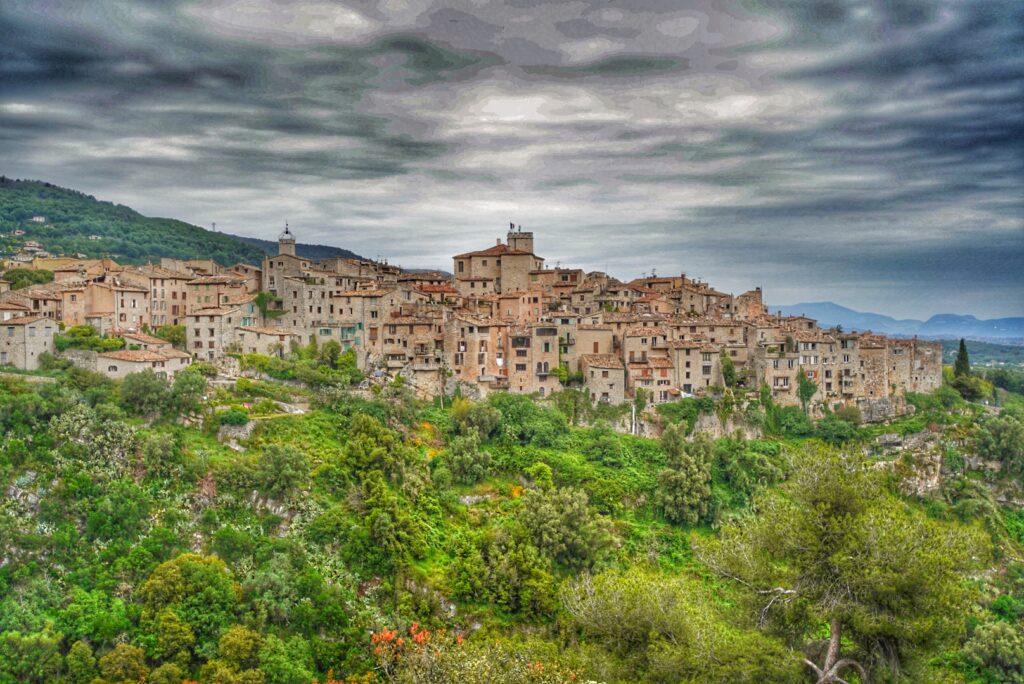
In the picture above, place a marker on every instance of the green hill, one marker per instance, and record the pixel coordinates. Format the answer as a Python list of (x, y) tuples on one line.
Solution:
[(126, 235), (314, 252)]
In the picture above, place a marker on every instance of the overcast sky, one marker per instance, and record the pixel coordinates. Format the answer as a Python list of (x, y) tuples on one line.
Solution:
[(867, 152)]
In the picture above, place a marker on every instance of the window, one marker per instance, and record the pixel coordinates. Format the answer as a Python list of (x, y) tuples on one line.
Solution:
[(520, 367), (604, 374), (111, 369)]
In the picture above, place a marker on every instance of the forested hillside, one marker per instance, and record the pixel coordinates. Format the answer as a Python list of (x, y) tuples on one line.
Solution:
[(314, 252), (72, 217), (289, 528)]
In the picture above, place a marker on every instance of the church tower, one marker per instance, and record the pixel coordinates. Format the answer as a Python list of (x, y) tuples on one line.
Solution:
[(286, 242)]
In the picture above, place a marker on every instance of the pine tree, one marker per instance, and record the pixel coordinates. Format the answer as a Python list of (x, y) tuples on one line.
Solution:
[(962, 366)]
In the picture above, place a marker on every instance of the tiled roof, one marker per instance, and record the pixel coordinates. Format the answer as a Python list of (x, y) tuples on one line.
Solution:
[(496, 250), (143, 355), (213, 311), (641, 331), (267, 331), (24, 320), (222, 279), (143, 338), (602, 360), (444, 288)]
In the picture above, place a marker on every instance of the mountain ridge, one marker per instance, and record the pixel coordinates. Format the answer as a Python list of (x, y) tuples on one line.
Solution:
[(829, 314)]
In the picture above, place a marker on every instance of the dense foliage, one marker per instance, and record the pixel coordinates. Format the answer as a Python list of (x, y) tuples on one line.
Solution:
[(299, 529)]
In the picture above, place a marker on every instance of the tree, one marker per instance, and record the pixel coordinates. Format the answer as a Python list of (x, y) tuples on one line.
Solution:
[(168, 673), (728, 370), (329, 353), (1001, 438), (80, 663), (285, 662), (29, 658), (467, 463), (837, 550), (684, 485), (199, 589), (174, 638), (962, 365), (540, 474), (561, 524), (175, 334), (668, 625), (467, 416), (240, 647), (573, 403), (805, 388), (144, 393), (281, 469), (187, 391), (997, 650), (640, 399), (124, 664)]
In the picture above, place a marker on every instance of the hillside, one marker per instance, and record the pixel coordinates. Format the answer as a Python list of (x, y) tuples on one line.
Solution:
[(830, 314), (124, 234), (374, 538), (314, 252)]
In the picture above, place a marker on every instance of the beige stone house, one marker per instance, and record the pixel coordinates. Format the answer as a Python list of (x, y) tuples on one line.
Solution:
[(24, 339), (604, 378)]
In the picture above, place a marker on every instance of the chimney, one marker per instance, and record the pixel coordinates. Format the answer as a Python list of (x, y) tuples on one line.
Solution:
[(498, 241)]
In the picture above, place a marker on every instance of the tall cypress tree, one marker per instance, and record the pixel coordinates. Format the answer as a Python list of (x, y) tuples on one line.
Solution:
[(962, 366)]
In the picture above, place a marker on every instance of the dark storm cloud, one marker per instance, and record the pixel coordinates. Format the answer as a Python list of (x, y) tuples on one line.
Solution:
[(871, 152)]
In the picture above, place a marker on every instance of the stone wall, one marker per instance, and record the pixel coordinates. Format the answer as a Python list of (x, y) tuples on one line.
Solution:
[(883, 408)]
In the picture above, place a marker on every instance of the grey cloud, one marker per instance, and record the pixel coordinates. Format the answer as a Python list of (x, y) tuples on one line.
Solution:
[(828, 148)]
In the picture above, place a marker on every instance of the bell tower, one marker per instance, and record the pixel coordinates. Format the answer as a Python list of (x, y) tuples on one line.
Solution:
[(286, 242)]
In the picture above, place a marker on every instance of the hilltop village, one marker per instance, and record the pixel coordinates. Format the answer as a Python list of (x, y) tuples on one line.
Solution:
[(502, 322)]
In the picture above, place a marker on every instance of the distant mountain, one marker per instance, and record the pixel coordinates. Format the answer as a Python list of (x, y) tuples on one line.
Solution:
[(314, 252), (76, 223), (830, 314)]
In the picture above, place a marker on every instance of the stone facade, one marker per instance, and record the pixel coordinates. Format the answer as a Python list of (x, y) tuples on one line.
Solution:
[(24, 339)]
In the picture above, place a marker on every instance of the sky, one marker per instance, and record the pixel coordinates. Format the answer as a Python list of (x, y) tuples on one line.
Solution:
[(868, 152)]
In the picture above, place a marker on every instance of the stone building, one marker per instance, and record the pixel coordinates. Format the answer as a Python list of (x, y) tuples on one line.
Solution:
[(506, 267), (24, 339), (163, 362), (604, 378), (210, 333)]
